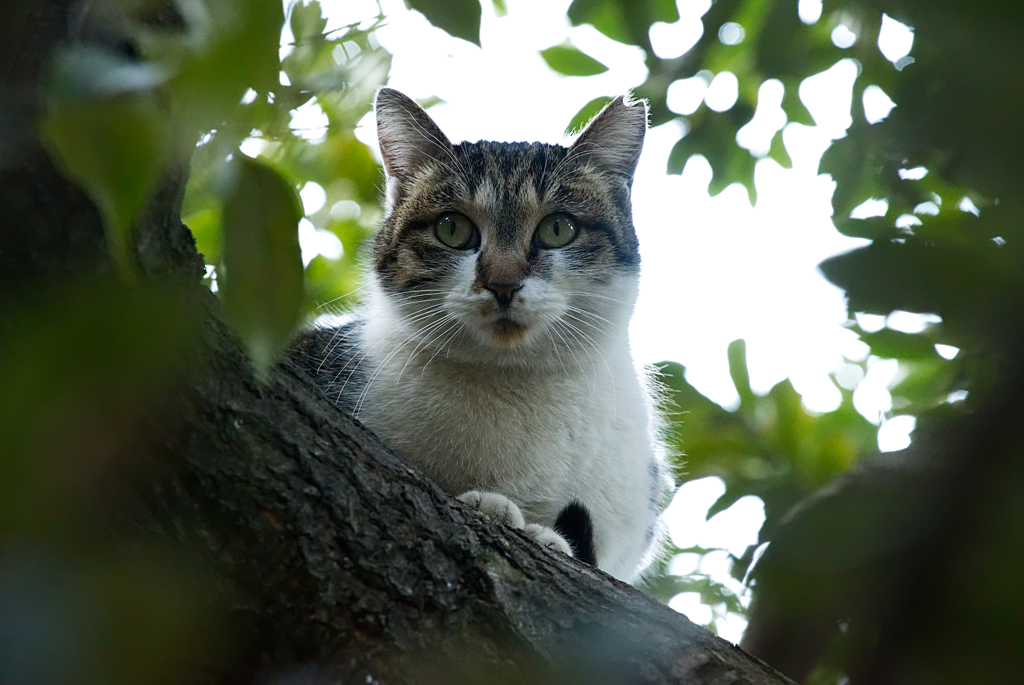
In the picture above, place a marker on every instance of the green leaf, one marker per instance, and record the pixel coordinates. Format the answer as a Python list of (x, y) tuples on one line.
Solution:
[(262, 283), (460, 18), (205, 227), (666, 11), (567, 60), (115, 148), (92, 72), (681, 152), (604, 15), (728, 498), (307, 20), (713, 134), (737, 352), (917, 276), (586, 113), (81, 362), (872, 227), (237, 49), (625, 22), (854, 171), (899, 345), (795, 109), (785, 47), (779, 153)]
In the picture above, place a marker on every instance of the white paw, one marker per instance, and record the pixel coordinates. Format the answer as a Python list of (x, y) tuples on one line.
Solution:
[(548, 537), (495, 506)]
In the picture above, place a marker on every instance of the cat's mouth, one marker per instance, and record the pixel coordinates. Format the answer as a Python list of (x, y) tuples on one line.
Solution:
[(508, 332)]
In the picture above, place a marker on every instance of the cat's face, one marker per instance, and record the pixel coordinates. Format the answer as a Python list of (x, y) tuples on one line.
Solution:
[(512, 253)]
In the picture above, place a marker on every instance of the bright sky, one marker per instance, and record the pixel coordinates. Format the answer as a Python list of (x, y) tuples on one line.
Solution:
[(714, 268)]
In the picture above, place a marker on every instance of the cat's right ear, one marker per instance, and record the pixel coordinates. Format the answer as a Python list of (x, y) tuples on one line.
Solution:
[(408, 136)]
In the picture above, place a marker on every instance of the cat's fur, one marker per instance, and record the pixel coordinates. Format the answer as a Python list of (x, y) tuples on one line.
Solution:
[(503, 370)]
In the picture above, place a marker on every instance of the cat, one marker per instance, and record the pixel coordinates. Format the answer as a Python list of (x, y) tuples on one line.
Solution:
[(492, 350)]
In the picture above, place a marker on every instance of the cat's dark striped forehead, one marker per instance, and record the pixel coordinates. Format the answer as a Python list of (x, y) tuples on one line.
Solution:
[(509, 160)]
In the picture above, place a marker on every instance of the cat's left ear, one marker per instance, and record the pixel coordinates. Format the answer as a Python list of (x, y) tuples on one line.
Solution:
[(408, 136), (613, 139)]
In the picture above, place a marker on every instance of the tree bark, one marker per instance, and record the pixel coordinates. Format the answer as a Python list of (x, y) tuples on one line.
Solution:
[(329, 558)]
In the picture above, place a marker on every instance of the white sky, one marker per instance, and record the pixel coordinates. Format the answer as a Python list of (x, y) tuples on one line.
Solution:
[(714, 269)]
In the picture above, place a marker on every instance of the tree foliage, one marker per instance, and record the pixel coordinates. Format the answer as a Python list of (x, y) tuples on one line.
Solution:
[(946, 164)]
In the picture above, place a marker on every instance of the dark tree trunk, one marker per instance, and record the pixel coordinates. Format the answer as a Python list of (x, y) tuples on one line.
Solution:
[(324, 556)]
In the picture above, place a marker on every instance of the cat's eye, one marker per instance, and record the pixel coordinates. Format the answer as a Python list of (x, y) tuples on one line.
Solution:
[(457, 231), (554, 231)]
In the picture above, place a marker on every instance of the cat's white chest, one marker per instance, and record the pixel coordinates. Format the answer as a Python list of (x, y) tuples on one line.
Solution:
[(541, 439), (522, 434)]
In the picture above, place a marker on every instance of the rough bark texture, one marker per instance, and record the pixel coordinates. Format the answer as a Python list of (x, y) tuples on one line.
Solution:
[(338, 562)]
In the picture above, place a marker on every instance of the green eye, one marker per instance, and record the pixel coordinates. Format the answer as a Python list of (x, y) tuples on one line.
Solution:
[(554, 231), (457, 231)]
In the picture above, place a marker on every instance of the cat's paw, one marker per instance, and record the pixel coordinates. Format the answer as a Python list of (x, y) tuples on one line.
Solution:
[(548, 537), (495, 506), (504, 510)]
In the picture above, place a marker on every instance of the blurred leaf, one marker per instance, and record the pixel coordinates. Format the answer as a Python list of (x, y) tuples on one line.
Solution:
[(790, 425), (713, 135), (666, 11), (89, 72), (779, 153), (205, 227), (586, 113), (910, 275), (235, 49), (75, 384), (795, 109), (863, 165), (604, 15), (785, 47), (460, 18), (899, 345), (115, 148), (625, 22), (567, 60), (307, 20), (738, 371), (728, 498), (677, 157), (872, 227), (262, 283)]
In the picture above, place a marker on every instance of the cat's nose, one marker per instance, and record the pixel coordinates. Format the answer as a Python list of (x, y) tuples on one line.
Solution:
[(504, 291)]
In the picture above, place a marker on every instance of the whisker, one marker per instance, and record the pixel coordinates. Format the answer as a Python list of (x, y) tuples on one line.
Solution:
[(586, 294), (593, 345), (446, 345), (569, 347), (350, 293), (428, 339), (396, 326), (571, 312), (554, 346)]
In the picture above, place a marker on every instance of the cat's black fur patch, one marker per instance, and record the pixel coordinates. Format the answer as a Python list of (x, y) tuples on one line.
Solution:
[(574, 524), (332, 357)]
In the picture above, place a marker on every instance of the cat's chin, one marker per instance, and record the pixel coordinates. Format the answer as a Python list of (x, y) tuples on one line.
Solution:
[(508, 333)]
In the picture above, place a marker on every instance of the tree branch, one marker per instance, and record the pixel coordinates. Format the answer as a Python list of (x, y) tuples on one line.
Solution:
[(336, 561)]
